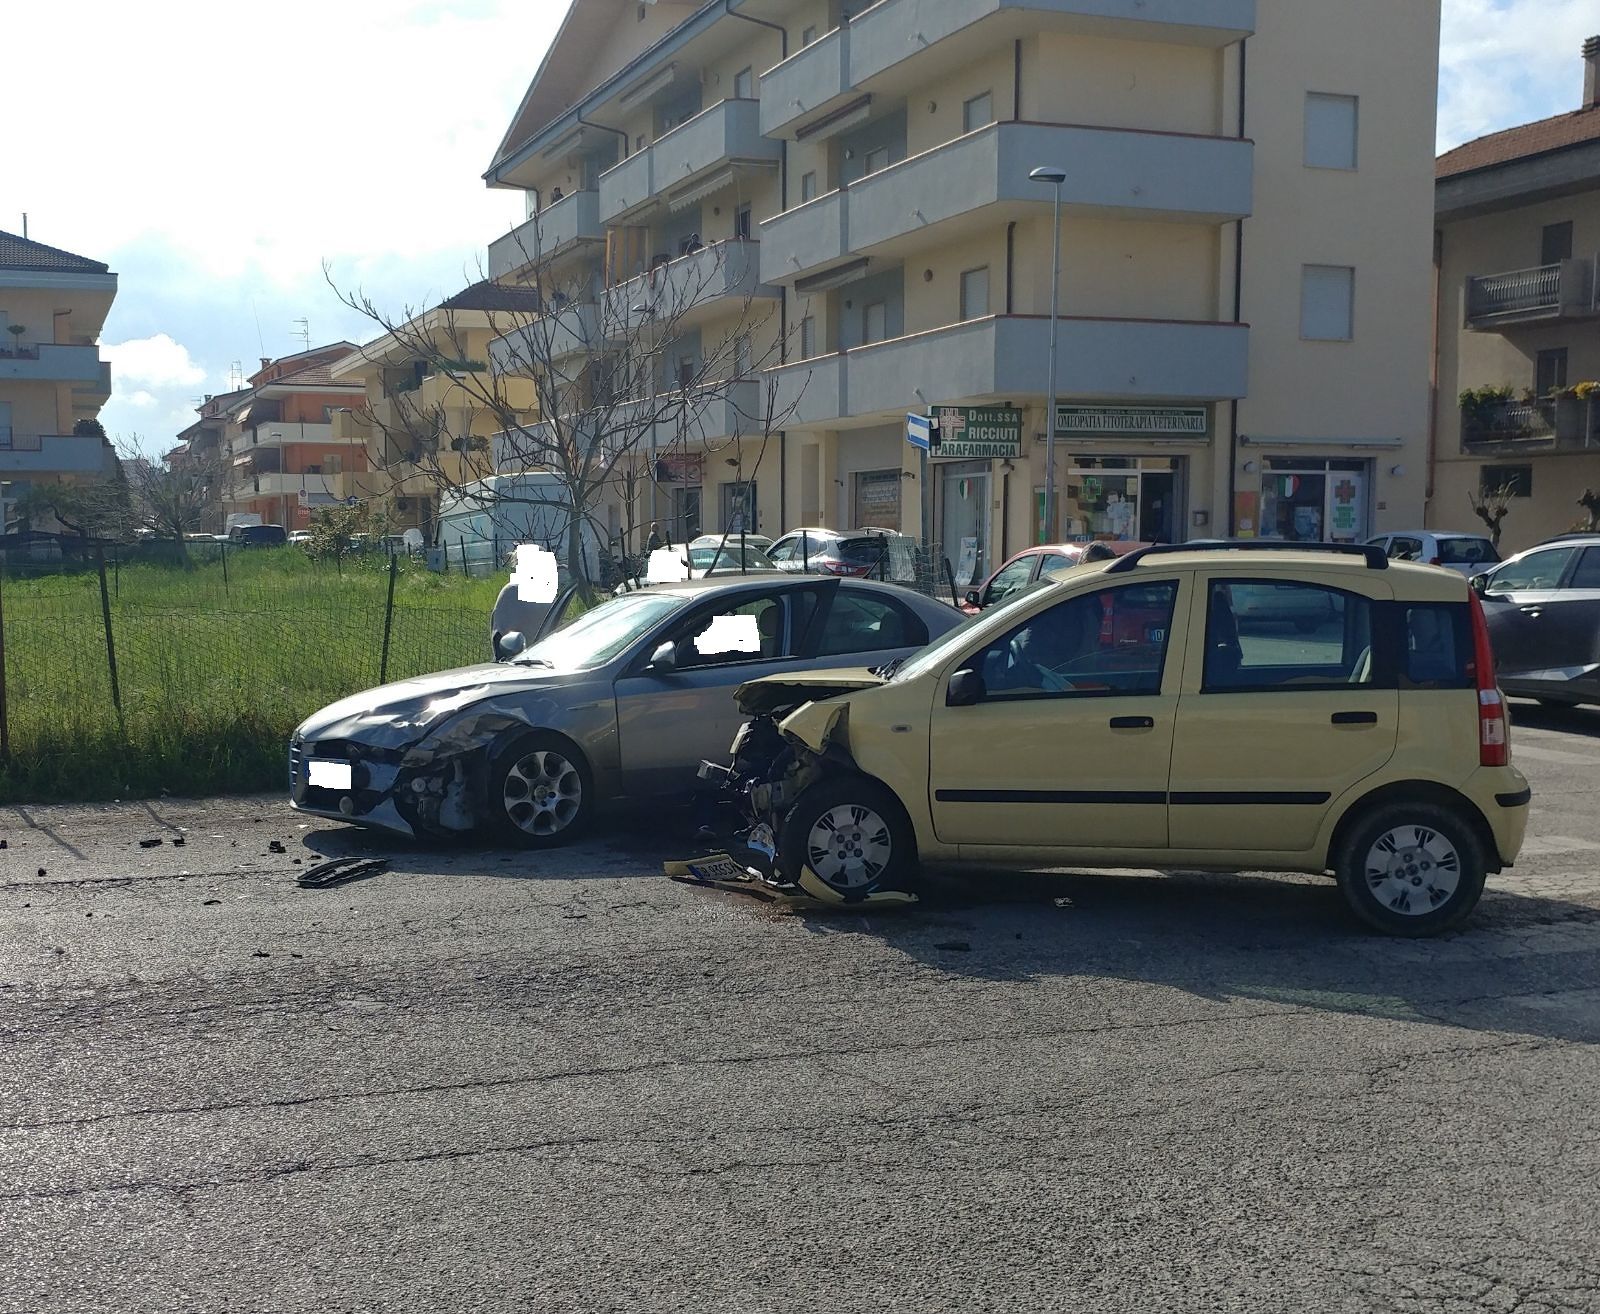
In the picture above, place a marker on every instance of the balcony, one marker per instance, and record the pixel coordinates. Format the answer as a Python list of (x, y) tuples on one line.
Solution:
[(36, 454), (714, 280), (573, 331), (350, 426), (1553, 425), (1117, 172), (50, 362), (554, 232), (693, 158), (875, 53), (720, 412), (1566, 290), (320, 489), (1006, 357), (280, 433)]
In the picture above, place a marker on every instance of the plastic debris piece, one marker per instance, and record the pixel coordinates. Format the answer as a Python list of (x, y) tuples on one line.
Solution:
[(149, 843), (276, 846), (337, 871)]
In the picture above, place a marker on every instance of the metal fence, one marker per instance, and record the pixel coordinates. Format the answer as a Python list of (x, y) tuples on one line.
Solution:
[(103, 656)]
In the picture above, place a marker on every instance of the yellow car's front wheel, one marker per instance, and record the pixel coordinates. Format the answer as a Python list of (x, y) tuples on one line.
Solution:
[(853, 835)]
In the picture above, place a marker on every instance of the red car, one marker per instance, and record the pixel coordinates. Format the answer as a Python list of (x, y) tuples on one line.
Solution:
[(1028, 565)]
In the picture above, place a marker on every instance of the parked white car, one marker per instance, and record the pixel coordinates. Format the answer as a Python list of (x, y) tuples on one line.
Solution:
[(1466, 554)]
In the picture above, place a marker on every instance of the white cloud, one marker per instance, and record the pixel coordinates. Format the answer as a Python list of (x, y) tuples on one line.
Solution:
[(142, 399), (157, 360), (1504, 62)]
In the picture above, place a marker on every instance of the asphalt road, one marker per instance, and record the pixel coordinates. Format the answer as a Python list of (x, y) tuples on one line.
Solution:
[(485, 1081)]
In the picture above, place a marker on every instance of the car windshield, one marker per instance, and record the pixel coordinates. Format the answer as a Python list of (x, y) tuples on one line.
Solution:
[(728, 558), (599, 635), (970, 630)]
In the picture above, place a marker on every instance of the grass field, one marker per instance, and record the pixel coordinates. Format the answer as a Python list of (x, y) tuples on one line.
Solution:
[(214, 674)]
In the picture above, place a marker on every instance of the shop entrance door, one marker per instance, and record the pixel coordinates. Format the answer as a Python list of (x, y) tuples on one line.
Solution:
[(1158, 507), (964, 520)]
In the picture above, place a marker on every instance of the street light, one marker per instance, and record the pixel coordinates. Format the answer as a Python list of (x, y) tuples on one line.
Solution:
[(1055, 177)]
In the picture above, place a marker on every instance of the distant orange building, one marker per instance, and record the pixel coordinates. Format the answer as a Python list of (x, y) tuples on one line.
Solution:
[(284, 458)]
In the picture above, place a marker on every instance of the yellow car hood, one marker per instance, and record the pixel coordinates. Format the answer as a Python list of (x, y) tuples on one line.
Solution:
[(772, 693)]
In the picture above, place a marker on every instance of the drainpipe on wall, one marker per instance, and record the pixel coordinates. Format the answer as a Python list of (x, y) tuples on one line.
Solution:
[(1238, 315), (1433, 374)]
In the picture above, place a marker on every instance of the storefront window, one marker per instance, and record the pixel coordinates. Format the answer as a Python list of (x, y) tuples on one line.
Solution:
[(1122, 499), (964, 520), (1314, 500)]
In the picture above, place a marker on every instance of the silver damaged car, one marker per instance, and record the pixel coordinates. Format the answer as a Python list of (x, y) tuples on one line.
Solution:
[(624, 702)]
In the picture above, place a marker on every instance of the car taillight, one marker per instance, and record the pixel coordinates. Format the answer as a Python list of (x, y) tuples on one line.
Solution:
[(1436, 561), (1494, 734)]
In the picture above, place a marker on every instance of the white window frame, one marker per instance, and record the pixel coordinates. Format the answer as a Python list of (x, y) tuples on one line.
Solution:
[(1320, 108), (967, 308), (1319, 323)]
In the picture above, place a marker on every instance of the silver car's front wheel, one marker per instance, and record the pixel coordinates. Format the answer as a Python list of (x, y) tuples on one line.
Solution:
[(1412, 868), (540, 792)]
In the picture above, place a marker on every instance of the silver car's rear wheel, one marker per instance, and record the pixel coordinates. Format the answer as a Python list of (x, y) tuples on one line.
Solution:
[(540, 792), (1412, 868)]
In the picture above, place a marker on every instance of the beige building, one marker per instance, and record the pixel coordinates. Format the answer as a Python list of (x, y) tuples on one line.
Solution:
[(1244, 272), (429, 418), (53, 305), (1519, 322)]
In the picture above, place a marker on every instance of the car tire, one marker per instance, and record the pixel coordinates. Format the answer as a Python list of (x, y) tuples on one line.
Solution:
[(541, 792), (1411, 868), (853, 834)]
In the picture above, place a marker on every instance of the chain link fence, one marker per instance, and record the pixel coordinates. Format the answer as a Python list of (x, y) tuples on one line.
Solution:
[(136, 676)]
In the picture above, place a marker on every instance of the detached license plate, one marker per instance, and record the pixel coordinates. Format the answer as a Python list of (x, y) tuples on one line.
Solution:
[(325, 773), (763, 841)]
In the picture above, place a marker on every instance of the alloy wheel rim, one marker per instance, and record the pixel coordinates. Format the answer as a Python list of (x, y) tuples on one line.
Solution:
[(1412, 870), (543, 793), (849, 846)]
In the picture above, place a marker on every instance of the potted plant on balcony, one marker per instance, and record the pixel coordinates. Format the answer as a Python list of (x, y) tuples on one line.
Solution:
[(1483, 410), (16, 331)]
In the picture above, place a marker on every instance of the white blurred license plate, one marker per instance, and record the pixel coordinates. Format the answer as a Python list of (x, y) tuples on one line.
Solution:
[(325, 773)]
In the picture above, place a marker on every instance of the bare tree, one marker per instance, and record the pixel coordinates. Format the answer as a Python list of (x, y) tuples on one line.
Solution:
[(600, 373), (1490, 505), (172, 501)]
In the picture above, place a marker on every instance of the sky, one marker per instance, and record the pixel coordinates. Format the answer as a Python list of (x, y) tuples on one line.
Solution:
[(218, 157)]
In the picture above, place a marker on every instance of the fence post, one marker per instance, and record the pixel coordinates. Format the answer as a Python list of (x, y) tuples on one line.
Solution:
[(224, 548), (5, 728), (111, 647), (388, 623), (116, 573)]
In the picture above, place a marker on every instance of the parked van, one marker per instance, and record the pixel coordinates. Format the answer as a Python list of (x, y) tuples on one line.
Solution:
[(480, 523)]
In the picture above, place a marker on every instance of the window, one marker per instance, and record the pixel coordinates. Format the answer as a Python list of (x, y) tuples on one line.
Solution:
[(1274, 634), (859, 622), (741, 223), (1105, 643), (1465, 551), (1518, 478), (1438, 646), (1054, 562), (1550, 371), (808, 36), (1331, 131), (334, 464), (808, 187), (876, 159), (751, 631), (977, 113), (1011, 579), (744, 84), (1402, 548), (739, 507), (687, 368), (1537, 570), (1327, 303), (1587, 575), (875, 322), (808, 337), (1555, 243), (975, 293)]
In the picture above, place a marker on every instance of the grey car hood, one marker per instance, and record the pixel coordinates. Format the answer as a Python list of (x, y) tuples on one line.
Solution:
[(390, 711)]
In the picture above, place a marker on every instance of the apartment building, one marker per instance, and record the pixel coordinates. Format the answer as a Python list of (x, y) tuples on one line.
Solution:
[(201, 446), (428, 412), (282, 455), (1244, 271), (1518, 331), (53, 305)]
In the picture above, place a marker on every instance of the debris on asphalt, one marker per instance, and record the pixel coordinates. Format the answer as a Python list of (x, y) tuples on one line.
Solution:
[(41, 871), (276, 846), (149, 843), (721, 871), (2, 844), (206, 903), (261, 953), (1063, 903), (337, 871), (178, 841)]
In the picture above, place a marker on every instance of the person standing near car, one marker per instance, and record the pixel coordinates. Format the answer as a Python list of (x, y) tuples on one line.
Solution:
[(654, 541)]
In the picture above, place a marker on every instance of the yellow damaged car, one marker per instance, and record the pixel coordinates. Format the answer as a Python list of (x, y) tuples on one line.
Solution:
[(1268, 706)]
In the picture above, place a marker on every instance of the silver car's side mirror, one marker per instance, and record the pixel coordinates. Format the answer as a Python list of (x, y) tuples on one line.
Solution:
[(665, 658), (509, 644)]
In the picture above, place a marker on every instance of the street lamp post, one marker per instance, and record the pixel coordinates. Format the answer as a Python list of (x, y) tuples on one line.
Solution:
[(1055, 177)]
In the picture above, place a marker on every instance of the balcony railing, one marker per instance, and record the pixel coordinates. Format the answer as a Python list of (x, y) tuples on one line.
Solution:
[(1565, 290), (838, 67), (1565, 423), (551, 233), (54, 363), (25, 453), (720, 137)]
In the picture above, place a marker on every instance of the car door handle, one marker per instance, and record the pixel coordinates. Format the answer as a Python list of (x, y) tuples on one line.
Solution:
[(1133, 723), (1532, 610), (1354, 718)]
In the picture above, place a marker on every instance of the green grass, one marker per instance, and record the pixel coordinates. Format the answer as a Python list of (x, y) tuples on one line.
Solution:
[(214, 674)]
